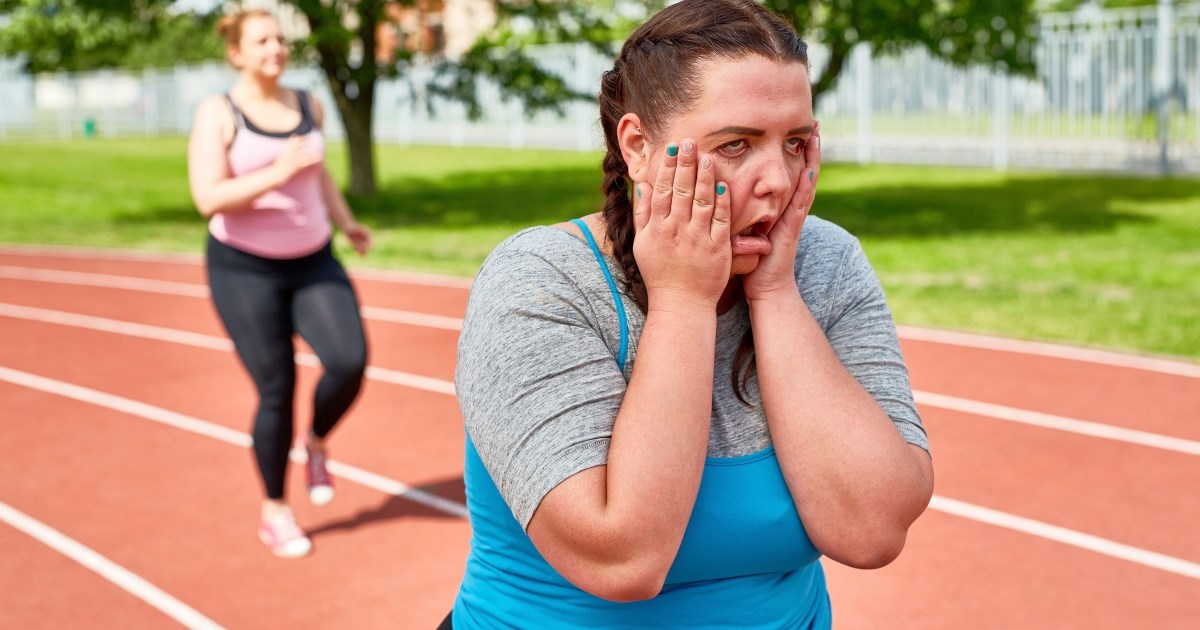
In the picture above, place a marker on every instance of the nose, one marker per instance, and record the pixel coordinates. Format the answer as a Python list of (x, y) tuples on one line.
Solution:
[(775, 180)]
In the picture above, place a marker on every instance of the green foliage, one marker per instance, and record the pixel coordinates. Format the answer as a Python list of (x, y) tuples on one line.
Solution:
[(994, 32), (500, 54), (79, 35), (1081, 258)]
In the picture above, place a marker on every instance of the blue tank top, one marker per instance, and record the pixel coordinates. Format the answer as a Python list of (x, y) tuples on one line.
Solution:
[(745, 560)]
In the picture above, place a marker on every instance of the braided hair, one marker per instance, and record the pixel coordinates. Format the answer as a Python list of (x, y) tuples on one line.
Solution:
[(654, 76)]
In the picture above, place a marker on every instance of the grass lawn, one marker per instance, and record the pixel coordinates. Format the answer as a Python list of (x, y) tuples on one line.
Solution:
[(1102, 261)]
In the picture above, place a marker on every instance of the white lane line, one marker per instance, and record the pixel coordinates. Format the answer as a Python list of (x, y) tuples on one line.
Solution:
[(129, 329), (411, 318), (1060, 423), (421, 278), (396, 488), (200, 340), (220, 433), (107, 569), (1016, 346), (130, 283), (442, 386), (99, 253), (911, 333), (104, 280), (1066, 536)]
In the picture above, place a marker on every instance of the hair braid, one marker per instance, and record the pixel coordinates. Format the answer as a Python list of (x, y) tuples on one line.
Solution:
[(654, 76)]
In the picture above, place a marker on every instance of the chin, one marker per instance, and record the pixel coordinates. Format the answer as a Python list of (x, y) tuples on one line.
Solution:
[(743, 264)]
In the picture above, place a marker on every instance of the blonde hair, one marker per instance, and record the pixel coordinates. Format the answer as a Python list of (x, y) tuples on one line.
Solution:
[(229, 27)]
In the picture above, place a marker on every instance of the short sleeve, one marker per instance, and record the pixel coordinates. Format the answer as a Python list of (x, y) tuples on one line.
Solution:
[(863, 334), (538, 387)]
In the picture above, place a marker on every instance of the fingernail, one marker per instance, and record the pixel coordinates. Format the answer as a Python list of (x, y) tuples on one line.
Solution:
[(705, 162), (672, 150), (811, 174), (720, 189), (688, 147), (637, 189)]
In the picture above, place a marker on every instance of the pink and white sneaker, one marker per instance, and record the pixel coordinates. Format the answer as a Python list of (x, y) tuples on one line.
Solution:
[(320, 483), (284, 536)]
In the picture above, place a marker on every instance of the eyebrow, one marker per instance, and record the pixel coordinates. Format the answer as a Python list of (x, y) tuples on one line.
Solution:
[(751, 131)]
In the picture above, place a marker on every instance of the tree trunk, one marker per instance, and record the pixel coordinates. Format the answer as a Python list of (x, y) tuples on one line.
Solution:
[(358, 119), (838, 52)]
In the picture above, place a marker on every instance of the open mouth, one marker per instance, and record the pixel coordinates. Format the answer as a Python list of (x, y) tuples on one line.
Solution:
[(758, 229)]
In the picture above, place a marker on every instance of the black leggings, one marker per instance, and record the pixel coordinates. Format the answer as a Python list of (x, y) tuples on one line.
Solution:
[(263, 302)]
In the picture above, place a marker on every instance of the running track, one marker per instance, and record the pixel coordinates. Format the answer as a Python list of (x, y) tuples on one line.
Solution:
[(1066, 479)]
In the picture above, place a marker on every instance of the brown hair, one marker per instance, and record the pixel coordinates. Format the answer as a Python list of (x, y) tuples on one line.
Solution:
[(229, 27), (654, 77)]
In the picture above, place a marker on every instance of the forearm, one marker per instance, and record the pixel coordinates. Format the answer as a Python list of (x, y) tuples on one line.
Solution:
[(235, 194), (339, 211), (856, 483), (660, 439)]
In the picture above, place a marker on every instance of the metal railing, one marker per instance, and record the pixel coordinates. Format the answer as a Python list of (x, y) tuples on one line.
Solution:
[(1115, 90)]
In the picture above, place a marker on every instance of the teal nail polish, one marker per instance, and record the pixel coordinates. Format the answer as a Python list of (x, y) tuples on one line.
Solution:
[(672, 150), (720, 189), (638, 190), (811, 174)]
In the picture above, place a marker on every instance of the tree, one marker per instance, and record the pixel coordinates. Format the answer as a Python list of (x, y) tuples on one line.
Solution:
[(995, 32), (344, 42), (80, 35)]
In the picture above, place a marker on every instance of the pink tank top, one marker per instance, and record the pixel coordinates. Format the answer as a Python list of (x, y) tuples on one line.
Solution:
[(290, 221)]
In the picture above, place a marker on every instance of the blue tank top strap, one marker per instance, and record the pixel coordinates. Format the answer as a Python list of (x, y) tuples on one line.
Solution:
[(612, 287)]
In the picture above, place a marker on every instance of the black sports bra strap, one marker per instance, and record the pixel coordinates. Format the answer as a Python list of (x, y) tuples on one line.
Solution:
[(305, 111), (238, 118)]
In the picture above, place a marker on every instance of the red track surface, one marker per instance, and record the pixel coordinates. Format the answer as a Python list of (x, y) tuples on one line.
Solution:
[(178, 508)]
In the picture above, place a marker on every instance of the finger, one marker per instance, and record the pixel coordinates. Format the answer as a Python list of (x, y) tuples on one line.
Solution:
[(702, 201), (684, 187), (721, 213), (641, 207), (660, 201), (812, 151)]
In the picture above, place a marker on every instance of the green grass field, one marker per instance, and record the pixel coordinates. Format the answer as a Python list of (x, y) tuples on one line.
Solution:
[(1101, 261)]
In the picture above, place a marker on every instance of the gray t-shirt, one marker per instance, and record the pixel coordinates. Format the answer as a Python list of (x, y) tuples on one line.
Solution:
[(537, 377)]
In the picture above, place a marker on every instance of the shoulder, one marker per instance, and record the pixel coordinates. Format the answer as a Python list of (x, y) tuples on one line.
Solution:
[(537, 269), (824, 248), (215, 118), (824, 236), (313, 105), (214, 107), (549, 249)]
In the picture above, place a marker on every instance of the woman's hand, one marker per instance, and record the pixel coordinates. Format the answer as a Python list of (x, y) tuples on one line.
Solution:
[(682, 232), (360, 237), (295, 157), (775, 273)]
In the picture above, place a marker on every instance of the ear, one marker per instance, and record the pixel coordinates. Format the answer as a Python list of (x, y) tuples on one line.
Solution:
[(233, 54), (635, 148)]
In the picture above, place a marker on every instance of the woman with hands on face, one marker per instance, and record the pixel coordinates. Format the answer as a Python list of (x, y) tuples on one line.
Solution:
[(256, 166), (676, 405)]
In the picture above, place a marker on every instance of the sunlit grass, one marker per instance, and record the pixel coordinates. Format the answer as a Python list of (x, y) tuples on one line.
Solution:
[(1105, 261)]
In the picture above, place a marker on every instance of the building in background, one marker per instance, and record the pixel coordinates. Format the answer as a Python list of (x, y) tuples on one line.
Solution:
[(429, 27)]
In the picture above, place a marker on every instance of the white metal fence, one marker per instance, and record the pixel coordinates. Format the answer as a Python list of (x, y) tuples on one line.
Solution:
[(1116, 90)]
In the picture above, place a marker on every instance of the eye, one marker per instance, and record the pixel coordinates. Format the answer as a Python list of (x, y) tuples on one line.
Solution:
[(733, 149), (796, 145)]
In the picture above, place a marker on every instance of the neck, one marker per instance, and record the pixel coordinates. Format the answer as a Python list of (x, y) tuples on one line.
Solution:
[(256, 88), (731, 296)]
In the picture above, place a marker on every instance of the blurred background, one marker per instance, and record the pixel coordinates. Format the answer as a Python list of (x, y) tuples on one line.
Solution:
[(1019, 168), (1024, 168)]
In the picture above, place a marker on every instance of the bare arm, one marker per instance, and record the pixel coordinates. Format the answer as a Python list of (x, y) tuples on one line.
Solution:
[(857, 484), (615, 530), (335, 202), (213, 187)]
